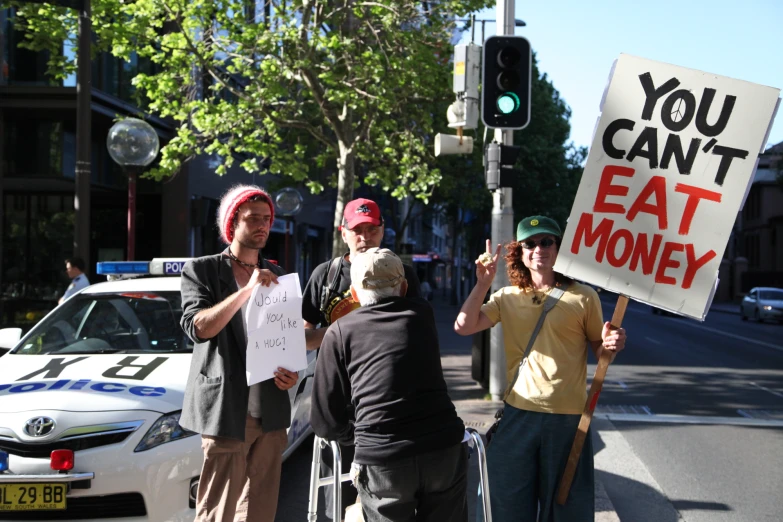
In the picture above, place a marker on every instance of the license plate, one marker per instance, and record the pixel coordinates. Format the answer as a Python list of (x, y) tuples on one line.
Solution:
[(32, 497)]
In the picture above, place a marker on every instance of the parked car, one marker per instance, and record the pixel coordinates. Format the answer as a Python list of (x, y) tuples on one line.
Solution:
[(763, 303), (90, 400)]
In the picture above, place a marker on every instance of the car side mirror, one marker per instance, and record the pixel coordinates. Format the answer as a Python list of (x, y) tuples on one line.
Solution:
[(9, 337)]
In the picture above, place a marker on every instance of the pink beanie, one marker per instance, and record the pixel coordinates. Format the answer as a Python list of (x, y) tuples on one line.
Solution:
[(229, 204)]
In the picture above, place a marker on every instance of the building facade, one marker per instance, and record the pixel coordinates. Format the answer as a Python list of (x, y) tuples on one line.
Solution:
[(174, 217)]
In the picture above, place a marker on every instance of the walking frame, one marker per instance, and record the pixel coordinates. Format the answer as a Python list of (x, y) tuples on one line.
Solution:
[(474, 441)]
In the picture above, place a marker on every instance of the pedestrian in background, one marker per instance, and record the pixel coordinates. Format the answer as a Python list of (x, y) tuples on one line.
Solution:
[(547, 387), (384, 361), (243, 428), (327, 297), (75, 268)]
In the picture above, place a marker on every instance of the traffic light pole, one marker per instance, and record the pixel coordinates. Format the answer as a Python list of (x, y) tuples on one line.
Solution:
[(502, 227)]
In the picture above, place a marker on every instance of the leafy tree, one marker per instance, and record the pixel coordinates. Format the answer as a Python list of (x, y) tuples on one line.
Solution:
[(551, 166), (551, 169), (319, 86)]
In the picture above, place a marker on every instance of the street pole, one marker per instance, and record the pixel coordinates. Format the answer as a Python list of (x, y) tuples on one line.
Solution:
[(502, 227), (132, 172), (81, 233)]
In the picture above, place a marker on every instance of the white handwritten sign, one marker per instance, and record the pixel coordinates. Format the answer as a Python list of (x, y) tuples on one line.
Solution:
[(275, 329), (672, 158)]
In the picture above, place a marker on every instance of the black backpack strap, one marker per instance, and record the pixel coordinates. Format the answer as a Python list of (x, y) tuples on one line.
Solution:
[(331, 283)]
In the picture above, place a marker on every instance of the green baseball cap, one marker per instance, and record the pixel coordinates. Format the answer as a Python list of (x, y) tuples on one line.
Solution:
[(532, 225)]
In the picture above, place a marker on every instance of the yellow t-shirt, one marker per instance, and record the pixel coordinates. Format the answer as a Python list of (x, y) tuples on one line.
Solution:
[(554, 380)]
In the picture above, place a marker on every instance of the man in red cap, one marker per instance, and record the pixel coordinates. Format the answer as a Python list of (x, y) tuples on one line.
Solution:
[(327, 297), (243, 428)]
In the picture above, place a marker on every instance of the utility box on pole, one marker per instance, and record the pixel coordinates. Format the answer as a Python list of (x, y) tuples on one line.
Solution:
[(467, 77)]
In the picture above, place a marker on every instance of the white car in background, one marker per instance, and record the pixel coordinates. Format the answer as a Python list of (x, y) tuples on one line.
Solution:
[(90, 400), (763, 303)]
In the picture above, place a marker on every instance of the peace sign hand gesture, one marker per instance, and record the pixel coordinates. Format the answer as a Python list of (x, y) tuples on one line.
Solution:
[(487, 264)]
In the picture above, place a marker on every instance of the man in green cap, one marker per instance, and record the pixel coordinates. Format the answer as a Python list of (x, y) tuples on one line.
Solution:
[(549, 321)]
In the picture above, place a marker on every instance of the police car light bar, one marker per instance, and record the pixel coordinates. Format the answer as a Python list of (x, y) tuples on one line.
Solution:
[(3, 461), (123, 267), (158, 266)]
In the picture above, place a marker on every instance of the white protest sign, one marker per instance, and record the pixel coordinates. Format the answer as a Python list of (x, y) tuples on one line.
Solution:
[(671, 159), (275, 329)]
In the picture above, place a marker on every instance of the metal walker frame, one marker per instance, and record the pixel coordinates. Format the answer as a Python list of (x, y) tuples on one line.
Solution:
[(474, 440)]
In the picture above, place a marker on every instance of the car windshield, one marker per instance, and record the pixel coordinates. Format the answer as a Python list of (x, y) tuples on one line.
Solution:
[(129, 322), (771, 295)]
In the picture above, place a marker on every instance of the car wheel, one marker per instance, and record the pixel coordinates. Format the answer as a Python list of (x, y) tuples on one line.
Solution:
[(756, 315), (742, 313)]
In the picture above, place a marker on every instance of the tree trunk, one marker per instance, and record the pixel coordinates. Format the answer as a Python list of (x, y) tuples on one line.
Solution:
[(346, 176)]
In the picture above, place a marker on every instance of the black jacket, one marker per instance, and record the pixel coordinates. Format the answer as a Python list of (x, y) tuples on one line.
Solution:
[(380, 365)]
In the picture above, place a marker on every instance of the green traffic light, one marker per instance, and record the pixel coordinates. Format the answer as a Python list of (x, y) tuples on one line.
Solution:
[(508, 102)]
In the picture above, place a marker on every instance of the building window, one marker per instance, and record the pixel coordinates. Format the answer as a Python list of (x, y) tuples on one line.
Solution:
[(753, 250), (34, 148), (20, 66), (37, 237), (753, 204)]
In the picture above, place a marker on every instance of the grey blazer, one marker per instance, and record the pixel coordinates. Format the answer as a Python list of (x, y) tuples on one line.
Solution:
[(216, 395)]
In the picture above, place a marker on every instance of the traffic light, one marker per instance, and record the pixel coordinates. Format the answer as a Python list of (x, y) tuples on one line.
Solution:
[(499, 161), (505, 82)]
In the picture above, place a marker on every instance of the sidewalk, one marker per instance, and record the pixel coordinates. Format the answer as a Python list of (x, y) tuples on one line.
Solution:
[(469, 397)]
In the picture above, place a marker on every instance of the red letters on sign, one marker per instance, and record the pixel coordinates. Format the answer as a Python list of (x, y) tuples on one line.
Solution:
[(667, 262), (670, 263), (694, 195), (605, 188), (657, 186)]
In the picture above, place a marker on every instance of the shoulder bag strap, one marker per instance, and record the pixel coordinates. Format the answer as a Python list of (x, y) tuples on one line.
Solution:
[(331, 283), (551, 300)]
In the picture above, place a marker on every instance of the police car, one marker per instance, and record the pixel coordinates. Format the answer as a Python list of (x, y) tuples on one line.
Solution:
[(90, 400)]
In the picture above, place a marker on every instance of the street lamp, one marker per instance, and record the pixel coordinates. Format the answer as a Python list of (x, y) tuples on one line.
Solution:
[(133, 144), (289, 203)]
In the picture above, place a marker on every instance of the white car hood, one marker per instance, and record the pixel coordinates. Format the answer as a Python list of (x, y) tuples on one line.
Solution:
[(100, 382)]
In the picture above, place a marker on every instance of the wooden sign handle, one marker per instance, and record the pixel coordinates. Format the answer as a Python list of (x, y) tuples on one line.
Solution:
[(587, 413)]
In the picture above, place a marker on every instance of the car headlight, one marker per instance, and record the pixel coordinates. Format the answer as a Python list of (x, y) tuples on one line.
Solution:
[(767, 308), (165, 429)]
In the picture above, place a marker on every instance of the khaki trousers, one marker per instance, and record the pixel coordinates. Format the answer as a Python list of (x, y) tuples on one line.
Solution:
[(240, 480)]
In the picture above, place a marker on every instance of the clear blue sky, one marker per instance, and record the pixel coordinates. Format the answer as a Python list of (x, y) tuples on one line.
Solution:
[(576, 42)]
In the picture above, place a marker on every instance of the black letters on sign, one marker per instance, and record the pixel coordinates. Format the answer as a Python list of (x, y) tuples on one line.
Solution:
[(143, 370), (53, 368)]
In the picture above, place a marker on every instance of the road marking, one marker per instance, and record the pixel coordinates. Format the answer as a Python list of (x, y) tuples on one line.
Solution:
[(762, 414), (654, 341), (690, 419), (629, 409), (727, 334), (622, 385), (773, 392)]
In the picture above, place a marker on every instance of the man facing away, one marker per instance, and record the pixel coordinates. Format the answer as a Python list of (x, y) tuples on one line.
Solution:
[(327, 297), (383, 362), (74, 267), (243, 427)]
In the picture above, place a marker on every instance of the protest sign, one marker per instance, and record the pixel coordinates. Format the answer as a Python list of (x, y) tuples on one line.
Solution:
[(671, 161), (275, 329), (670, 165)]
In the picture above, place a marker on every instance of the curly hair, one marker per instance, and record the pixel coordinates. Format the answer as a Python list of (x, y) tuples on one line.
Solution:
[(519, 274)]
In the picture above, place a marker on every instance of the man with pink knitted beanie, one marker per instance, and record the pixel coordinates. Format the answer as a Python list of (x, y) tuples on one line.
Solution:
[(243, 428)]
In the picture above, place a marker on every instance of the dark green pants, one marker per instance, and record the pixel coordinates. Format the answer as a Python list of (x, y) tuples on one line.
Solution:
[(525, 461)]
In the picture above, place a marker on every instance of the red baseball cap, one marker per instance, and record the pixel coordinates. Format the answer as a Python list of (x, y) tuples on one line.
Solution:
[(361, 211)]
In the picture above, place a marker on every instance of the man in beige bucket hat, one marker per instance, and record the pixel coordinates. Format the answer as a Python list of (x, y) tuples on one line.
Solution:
[(383, 360)]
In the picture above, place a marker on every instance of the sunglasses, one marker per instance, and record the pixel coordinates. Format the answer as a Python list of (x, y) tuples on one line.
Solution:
[(543, 243)]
